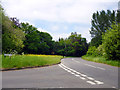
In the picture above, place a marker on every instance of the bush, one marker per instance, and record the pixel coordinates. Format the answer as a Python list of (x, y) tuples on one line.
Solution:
[(95, 51), (111, 42), (92, 51), (100, 50)]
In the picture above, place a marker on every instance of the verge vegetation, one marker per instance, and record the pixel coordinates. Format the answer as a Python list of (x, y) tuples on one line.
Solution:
[(30, 60), (103, 60)]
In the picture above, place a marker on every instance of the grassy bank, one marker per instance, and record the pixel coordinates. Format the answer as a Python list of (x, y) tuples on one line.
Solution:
[(19, 61), (102, 60)]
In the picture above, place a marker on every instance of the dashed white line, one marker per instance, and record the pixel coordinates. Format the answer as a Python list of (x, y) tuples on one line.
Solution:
[(90, 65), (77, 75), (99, 82), (83, 75), (82, 78), (101, 68), (95, 67), (91, 82), (90, 78), (77, 61)]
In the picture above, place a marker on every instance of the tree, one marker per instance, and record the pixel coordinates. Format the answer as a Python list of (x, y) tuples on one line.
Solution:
[(36, 42), (101, 21), (111, 42), (74, 45), (12, 38)]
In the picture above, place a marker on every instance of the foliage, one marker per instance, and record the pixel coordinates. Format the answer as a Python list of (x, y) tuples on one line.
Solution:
[(111, 42), (12, 38), (100, 59), (74, 45), (36, 42), (101, 21), (19, 61), (93, 51)]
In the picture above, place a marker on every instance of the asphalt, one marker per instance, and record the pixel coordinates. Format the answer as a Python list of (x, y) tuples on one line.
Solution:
[(71, 73)]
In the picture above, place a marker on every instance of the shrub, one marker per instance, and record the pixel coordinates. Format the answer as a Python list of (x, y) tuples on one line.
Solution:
[(111, 42), (92, 51), (100, 50)]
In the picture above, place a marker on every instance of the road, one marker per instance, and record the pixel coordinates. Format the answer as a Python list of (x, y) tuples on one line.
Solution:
[(71, 73)]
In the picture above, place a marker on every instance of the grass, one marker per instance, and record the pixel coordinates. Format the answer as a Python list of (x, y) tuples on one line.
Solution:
[(102, 60), (30, 60)]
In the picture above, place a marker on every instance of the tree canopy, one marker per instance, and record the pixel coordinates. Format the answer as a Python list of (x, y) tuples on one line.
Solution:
[(101, 21)]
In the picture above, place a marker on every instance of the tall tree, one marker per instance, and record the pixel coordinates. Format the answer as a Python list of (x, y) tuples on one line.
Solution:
[(36, 42), (74, 45), (101, 21), (12, 38)]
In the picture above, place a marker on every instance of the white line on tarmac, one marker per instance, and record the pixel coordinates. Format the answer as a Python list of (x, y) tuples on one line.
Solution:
[(90, 78), (91, 82), (89, 65), (95, 67), (99, 82), (77, 61), (101, 68), (81, 76)]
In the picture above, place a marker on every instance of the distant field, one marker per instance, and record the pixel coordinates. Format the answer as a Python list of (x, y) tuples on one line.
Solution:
[(102, 60), (30, 60)]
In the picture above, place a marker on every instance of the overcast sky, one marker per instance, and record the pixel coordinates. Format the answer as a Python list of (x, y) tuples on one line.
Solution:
[(58, 17)]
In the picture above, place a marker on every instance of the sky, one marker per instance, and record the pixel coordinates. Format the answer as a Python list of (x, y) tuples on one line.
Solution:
[(58, 17)]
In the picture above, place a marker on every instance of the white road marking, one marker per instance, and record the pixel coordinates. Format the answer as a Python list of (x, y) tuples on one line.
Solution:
[(72, 73), (68, 71), (99, 82), (77, 61), (82, 78), (77, 75), (113, 87), (77, 72), (101, 68), (92, 83), (90, 80), (89, 65), (95, 67), (83, 75)]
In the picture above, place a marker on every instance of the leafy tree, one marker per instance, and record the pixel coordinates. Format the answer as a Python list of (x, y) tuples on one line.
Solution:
[(36, 42), (101, 21), (15, 22), (12, 38), (111, 42), (74, 45)]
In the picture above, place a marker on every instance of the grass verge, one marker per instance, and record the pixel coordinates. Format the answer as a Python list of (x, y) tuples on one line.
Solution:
[(102, 60), (19, 61)]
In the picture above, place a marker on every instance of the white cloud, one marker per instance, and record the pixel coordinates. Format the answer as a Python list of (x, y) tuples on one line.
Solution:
[(56, 36), (67, 11), (42, 30), (54, 28), (54, 10)]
